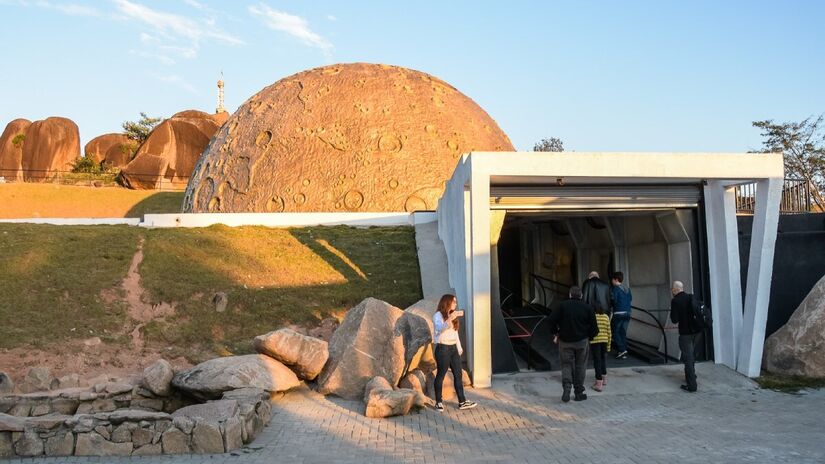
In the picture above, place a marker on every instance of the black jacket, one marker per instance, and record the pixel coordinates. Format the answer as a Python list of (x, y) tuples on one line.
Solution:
[(594, 291), (574, 320), (681, 312)]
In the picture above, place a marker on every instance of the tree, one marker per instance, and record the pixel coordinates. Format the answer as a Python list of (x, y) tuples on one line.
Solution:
[(551, 144), (802, 145), (139, 130)]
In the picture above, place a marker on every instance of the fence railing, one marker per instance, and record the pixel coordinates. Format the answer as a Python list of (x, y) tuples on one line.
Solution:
[(104, 179), (798, 196)]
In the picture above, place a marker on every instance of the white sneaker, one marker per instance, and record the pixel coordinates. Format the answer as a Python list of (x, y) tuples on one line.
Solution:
[(467, 405), (439, 407)]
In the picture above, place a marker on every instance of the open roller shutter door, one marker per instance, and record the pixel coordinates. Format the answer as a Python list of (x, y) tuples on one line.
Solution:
[(607, 197)]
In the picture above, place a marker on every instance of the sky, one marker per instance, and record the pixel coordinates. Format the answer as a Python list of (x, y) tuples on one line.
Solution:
[(673, 76)]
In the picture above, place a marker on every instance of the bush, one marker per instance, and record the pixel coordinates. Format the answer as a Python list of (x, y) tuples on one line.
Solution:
[(87, 165), (18, 140)]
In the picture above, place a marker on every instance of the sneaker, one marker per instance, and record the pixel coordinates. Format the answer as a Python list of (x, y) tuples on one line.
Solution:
[(580, 397), (687, 389), (439, 407), (467, 405), (621, 355), (565, 396)]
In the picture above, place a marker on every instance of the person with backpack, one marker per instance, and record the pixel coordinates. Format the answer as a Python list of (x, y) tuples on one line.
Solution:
[(682, 312)]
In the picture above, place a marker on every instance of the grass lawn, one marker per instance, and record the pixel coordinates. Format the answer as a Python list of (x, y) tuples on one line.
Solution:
[(58, 281), (788, 383), (24, 200)]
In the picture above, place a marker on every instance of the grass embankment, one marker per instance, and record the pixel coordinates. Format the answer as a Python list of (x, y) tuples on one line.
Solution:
[(59, 282), (26, 200), (788, 383)]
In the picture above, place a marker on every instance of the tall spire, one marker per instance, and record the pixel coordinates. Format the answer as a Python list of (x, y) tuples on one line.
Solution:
[(220, 108)]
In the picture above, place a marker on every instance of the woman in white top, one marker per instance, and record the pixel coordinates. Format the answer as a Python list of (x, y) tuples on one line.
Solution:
[(448, 351)]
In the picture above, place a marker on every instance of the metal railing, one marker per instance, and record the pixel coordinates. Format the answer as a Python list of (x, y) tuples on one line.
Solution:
[(521, 327), (658, 325), (104, 179), (798, 196)]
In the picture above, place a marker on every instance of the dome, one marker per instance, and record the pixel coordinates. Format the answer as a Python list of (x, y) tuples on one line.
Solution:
[(346, 137)]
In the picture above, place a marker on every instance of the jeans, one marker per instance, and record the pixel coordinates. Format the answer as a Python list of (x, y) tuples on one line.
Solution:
[(620, 323), (573, 364), (446, 357), (686, 345), (599, 354)]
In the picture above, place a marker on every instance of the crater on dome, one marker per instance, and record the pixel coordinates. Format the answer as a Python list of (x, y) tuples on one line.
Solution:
[(346, 137)]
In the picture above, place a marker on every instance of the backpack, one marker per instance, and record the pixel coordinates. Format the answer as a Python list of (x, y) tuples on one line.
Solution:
[(701, 313)]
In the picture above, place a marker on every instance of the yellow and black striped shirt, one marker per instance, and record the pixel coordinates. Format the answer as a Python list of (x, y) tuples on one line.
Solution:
[(604, 335)]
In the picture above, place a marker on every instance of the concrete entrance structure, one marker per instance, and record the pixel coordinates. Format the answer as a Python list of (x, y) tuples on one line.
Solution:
[(624, 182)]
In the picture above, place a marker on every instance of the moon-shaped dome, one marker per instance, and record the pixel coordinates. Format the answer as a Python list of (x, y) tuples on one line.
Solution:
[(346, 137)]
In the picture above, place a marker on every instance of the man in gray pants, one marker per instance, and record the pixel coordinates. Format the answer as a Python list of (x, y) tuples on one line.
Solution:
[(681, 312), (574, 322)]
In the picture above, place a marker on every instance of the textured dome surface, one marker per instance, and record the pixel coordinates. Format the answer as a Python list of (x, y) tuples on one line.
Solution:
[(347, 137)]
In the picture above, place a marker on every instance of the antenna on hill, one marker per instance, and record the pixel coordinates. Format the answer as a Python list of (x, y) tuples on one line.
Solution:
[(220, 108)]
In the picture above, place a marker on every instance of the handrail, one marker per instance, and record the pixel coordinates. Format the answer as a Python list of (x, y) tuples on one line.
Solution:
[(544, 288), (658, 323), (527, 333)]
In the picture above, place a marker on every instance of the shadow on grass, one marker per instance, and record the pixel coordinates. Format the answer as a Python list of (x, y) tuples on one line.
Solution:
[(272, 277), (157, 203)]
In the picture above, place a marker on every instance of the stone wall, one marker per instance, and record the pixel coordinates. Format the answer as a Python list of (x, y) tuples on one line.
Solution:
[(124, 420)]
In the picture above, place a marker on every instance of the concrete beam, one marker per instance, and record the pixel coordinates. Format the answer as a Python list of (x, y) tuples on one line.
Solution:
[(760, 268), (479, 358)]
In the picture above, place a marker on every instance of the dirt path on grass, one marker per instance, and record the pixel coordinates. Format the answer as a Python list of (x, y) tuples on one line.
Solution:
[(140, 311)]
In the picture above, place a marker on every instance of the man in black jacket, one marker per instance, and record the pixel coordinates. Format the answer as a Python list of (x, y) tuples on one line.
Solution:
[(681, 312), (575, 323), (595, 291)]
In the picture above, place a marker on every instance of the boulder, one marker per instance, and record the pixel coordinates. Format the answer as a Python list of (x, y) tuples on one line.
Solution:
[(305, 355), (171, 151), (382, 401), (798, 347), (367, 344), (38, 379), (93, 444), (68, 381), (6, 384), (51, 145), (415, 380), (211, 378), (220, 300), (416, 326), (11, 149), (157, 377), (113, 150), (214, 411), (233, 434)]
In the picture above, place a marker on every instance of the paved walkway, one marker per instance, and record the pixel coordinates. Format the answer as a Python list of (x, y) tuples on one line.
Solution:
[(642, 418)]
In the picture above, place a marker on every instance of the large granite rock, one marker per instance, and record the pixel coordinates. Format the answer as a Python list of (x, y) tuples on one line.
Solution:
[(345, 137), (113, 150), (368, 344), (383, 401), (171, 151), (305, 355), (416, 326), (211, 378), (51, 145), (157, 377), (11, 149), (798, 347)]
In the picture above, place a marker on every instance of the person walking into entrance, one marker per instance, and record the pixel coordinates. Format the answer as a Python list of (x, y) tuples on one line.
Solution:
[(575, 324), (596, 291), (599, 346), (681, 312), (622, 299), (448, 351)]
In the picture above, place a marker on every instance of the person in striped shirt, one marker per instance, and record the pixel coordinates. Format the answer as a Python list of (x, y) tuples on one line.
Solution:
[(599, 346)]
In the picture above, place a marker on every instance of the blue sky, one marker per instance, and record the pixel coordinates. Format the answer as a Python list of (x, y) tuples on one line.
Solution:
[(602, 76)]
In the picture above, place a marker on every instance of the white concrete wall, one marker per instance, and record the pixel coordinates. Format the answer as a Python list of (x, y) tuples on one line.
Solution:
[(75, 221)]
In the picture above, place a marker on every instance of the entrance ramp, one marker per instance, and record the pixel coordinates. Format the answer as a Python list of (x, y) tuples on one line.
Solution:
[(626, 380), (432, 261)]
